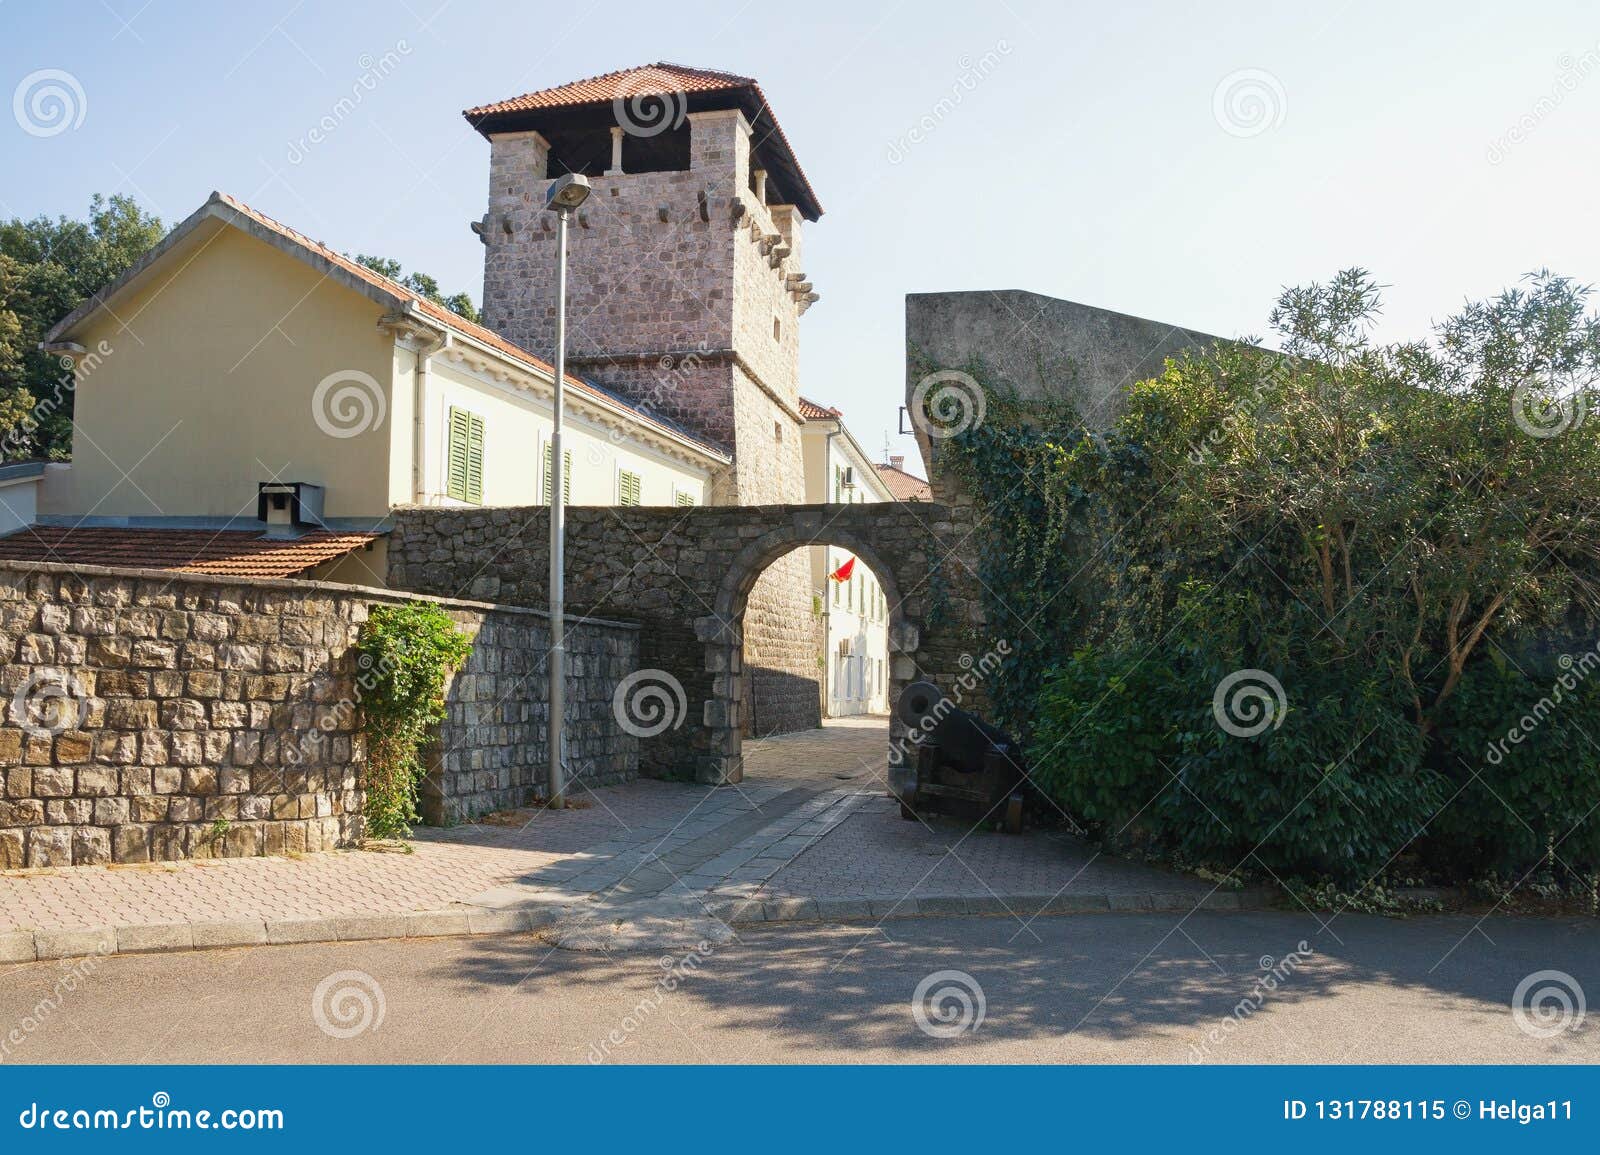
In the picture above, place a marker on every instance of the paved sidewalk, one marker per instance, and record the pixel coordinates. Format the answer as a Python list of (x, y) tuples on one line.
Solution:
[(808, 834)]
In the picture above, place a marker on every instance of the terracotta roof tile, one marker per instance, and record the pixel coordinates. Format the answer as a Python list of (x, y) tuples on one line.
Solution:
[(660, 79), (665, 79), (903, 485), (232, 553), (811, 411)]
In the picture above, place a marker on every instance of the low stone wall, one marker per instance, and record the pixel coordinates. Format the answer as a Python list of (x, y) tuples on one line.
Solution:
[(151, 715), (490, 753)]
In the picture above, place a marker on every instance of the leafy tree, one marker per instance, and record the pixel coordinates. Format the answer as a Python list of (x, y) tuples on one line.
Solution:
[(1381, 528), (47, 269), (458, 303)]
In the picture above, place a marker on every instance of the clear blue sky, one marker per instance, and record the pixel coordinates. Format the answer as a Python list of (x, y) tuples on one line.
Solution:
[(1088, 162)]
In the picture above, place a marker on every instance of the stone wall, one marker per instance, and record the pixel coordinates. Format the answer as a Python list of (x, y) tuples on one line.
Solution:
[(490, 753), (684, 296), (687, 575), (151, 715)]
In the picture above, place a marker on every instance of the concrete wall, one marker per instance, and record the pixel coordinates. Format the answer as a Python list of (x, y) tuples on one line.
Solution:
[(19, 504), (151, 715), (1040, 346)]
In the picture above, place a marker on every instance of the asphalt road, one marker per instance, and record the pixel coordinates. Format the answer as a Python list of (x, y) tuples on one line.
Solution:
[(1085, 988)]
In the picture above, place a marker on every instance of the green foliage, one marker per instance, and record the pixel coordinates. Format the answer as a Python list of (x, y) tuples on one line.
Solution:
[(47, 269), (1128, 741), (1521, 752), (1372, 525), (420, 283), (406, 656)]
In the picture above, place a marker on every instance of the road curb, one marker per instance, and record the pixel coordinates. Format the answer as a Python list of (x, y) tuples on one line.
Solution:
[(1028, 905), (470, 921)]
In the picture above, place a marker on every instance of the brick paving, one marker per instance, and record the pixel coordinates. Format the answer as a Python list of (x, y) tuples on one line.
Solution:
[(810, 821)]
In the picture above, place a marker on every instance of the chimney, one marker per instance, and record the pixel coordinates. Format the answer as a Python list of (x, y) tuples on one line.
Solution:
[(897, 461)]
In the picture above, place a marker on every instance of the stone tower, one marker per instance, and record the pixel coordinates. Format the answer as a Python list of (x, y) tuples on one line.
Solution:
[(684, 294)]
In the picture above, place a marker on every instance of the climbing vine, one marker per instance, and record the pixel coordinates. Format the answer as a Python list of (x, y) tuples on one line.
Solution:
[(1013, 464), (406, 654)]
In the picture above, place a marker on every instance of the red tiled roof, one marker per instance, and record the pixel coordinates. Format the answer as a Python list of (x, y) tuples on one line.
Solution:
[(903, 485), (233, 553), (711, 88), (660, 79), (811, 411)]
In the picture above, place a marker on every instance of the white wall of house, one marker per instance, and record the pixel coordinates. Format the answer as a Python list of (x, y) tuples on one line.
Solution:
[(856, 612), (516, 432), (18, 503)]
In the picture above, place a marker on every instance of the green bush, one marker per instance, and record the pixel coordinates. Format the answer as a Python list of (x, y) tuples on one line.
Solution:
[(405, 657), (1129, 740), (1376, 526), (1522, 754)]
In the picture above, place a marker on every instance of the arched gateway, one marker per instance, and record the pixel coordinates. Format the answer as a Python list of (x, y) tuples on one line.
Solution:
[(684, 575)]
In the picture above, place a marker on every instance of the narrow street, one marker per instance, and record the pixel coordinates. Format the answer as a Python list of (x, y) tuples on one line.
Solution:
[(1064, 989)]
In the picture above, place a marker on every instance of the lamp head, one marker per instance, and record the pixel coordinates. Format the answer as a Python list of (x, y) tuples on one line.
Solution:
[(567, 192)]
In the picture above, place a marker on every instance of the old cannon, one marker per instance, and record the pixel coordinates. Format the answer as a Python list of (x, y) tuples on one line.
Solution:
[(962, 762)]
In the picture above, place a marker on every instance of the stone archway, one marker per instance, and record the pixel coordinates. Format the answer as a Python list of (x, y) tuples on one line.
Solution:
[(722, 633), (683, 574)]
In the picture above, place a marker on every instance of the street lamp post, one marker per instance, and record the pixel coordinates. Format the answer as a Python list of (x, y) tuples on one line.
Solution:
[(565, 195)]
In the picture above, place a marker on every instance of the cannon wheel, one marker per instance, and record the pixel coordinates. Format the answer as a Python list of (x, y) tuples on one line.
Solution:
[(1013, 818)]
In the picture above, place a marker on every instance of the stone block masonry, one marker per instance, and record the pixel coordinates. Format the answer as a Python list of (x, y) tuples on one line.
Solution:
[(688, 577), (151, 715), (684, 296)]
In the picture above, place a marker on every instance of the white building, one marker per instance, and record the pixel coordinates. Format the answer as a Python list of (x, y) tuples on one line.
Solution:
[(854, 610)]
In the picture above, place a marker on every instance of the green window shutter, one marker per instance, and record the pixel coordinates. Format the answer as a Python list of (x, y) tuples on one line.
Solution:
[(628, 488), (475, 458), (464, 461), (566, 476), (456, 458), (685, 498)]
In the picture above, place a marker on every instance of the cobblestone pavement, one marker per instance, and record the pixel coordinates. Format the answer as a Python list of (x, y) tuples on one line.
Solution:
[(809, 824)]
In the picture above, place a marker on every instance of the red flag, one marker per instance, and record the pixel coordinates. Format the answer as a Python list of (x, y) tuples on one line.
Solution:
[(842, 574)]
